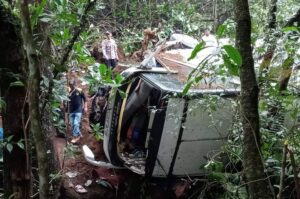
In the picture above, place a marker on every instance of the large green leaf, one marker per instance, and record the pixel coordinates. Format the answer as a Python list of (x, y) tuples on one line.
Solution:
[(232, 68), (102, 70), (122, 93), (233, 54), (187, 87), (21, 145), (198, 79), (196, 50), (9, 138), (2, 103), (220, 31), (290, 29), (118, 79), (16, 83), (9, 147)]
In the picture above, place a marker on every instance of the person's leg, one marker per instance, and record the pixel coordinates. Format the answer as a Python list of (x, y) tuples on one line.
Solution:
[(107, 63), (113, 63), (71, 121), (76, 129)]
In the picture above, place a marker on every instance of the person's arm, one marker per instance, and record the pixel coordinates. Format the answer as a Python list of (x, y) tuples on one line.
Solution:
[(116, 51), (85, 108), (103, 44)]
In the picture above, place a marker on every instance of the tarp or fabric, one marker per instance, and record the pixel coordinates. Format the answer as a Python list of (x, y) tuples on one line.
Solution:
[(184, 39)]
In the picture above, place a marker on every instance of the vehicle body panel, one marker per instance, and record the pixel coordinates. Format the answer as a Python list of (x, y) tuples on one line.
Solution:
[(169, 137)]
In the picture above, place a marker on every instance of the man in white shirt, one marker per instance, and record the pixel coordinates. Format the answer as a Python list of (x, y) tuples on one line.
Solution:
[(210, 40), (109, 49)]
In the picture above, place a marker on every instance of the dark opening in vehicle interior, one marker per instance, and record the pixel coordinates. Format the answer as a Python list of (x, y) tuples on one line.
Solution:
[(135, 123)]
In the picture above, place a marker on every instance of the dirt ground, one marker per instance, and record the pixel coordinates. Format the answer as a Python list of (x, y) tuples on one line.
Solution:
[(70, 157)]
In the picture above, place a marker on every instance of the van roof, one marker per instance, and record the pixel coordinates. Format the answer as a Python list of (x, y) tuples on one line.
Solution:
[(170, 83)]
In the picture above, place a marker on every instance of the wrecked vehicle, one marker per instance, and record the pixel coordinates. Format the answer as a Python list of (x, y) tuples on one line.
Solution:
[(154, 130)]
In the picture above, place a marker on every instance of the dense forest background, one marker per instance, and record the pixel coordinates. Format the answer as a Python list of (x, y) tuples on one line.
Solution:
[(42, 39)]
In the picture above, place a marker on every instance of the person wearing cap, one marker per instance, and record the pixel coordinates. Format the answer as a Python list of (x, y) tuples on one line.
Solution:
[(109, 49), (77, 105)]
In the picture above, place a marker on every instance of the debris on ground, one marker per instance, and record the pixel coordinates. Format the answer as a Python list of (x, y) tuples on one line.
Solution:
[(109, 176), (88, 183), (71, 185), (72, 174), (103, 182), (80, 189)]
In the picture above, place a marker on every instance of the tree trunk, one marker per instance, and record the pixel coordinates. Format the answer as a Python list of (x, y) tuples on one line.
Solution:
[(17, 176), (33, 101), (215, 16), (252, 159), (272, 15), (46, 110), (267, 58)]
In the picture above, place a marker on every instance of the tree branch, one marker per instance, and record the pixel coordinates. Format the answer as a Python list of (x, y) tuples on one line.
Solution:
[(77, 31), (69, 48), (295, 18)]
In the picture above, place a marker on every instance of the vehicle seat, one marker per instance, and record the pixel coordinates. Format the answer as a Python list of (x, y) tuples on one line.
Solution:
[(135, 101)]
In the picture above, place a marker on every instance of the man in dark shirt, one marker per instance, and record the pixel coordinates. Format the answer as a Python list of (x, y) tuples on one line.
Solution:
[(77, 105)]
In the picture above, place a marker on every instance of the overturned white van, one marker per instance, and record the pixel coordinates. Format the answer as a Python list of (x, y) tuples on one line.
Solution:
[(155, 131)]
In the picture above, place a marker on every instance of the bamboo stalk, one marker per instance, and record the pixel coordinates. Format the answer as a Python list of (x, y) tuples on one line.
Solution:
[(284, 154)]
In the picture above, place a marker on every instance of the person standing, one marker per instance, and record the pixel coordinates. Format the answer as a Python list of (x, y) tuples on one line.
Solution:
[(77, 105), (109, 49), (209, 39)]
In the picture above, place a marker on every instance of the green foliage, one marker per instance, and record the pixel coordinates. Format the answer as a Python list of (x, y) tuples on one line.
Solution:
[(36, 11), (164, 17), (220, 31), (72, 151), (97, 131), (58, 101), (8, 143), (223, 62), (16, 83), (2, 104), (64, 16), (12, 196), (233, 54), (58, 120), (197, 49), (292, 28), (131, 40), (56, 176), (100, 74), (229, 183)]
